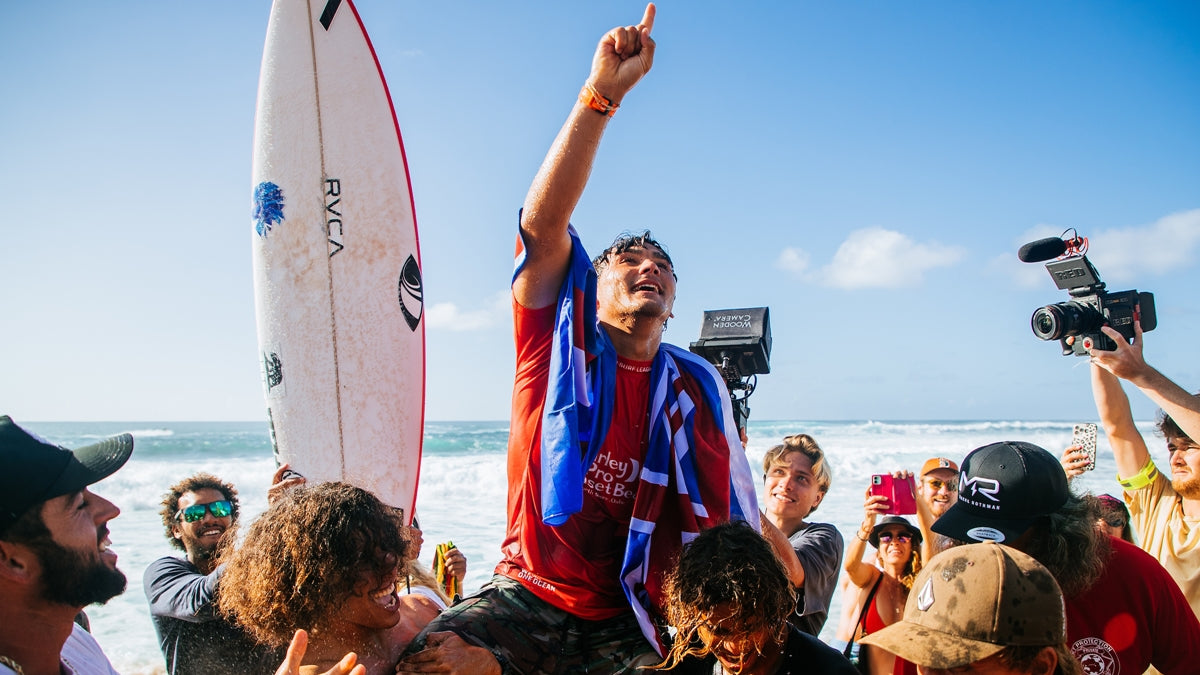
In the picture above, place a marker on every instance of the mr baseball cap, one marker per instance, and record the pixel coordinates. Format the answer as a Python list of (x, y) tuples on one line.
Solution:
[(1002, 489), (937, 463), (972, 601), (33, 470)]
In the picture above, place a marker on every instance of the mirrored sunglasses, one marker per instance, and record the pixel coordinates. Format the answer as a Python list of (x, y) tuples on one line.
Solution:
[(887, 537), (219, 509), (951, 485)]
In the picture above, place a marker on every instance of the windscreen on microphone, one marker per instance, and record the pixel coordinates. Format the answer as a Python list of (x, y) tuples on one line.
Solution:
[(1042, 249)]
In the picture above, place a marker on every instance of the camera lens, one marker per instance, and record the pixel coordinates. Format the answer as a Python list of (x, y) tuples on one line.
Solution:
[(1057, 321)]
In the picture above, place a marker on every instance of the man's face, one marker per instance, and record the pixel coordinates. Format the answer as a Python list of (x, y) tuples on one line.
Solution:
[(1185, 466), (739, 649), (200, 538), (638, 282), (77, 567), (939, 489), (792, 490)]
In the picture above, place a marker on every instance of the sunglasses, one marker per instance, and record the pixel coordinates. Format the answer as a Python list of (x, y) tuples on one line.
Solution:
[(901, 537), (219, 509), (951, 485)]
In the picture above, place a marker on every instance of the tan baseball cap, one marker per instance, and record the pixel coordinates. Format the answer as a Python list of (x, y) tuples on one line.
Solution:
[(972, 601)]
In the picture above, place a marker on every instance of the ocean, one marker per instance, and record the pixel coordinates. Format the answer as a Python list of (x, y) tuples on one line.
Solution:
[(462, 491)]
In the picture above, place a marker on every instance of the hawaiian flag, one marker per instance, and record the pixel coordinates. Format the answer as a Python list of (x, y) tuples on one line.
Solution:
[(695, 473)]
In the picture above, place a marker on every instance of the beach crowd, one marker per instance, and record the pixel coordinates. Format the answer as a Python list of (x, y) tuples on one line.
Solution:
[(987, 563)]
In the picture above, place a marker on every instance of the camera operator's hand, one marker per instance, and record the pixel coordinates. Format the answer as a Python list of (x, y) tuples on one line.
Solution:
[(1126, 361), (1074, 461)]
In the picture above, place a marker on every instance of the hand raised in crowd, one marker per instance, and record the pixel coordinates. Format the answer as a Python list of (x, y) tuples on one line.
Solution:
[(456, 564), (446, 652), (283, 480), (623, 56), (1074, 461), (1126, 361), (295, 656)]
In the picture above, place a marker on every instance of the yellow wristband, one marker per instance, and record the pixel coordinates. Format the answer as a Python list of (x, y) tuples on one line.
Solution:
[(596, 101), (1143, 478)]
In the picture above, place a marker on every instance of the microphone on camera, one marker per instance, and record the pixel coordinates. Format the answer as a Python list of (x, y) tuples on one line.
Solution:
[(1042, 249)]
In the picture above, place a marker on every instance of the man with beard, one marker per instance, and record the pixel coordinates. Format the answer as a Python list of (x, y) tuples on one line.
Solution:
[(54, 555), (197, 512), (1164, 512), (1124, 612)]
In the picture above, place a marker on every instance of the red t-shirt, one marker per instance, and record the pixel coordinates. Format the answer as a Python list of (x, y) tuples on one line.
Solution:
[(574, 566), (1134, 616)]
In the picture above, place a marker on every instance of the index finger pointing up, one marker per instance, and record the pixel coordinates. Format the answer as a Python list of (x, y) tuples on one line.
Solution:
[(648, 18)]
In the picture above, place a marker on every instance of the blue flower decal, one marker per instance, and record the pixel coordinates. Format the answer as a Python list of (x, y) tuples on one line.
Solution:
[(268, 207)]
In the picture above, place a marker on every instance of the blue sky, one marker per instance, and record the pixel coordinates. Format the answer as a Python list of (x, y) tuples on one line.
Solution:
[(867, 170)]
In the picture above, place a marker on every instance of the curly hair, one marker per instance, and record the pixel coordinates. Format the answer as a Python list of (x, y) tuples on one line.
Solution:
[(302, 559), (726, 566), (1068, 543), (629, 241), (807, 446), (200, 481)]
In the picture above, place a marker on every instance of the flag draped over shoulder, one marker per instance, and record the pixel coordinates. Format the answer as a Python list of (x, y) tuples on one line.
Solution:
[(684, 485)]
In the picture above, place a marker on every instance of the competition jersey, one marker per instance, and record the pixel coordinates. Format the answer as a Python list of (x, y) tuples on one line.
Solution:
[(574, 566), (1168, 535), (1132, 617)]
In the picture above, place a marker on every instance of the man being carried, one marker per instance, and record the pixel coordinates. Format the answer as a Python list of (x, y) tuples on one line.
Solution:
[(621, 446), (54, 555), (1165, 512), (197, 512)]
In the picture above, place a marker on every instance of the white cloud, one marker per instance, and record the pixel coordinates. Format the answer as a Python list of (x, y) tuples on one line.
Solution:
[(1128, 254), (793, 260), (877, 258), (447, 315)]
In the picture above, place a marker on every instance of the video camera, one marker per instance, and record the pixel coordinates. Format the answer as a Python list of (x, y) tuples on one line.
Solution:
[(738, 343), (1090, 306)]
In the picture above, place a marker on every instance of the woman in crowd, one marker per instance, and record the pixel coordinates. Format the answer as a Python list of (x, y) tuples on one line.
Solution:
[(883, 588), (327, 559)]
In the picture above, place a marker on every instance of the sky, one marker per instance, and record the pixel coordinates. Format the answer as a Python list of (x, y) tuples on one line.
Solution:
[(866, 170)]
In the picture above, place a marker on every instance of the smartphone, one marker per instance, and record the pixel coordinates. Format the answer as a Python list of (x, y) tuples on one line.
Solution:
[(1085, 437), (900, 492)]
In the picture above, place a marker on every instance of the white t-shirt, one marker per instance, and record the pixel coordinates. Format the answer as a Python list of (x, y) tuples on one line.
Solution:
[(81, 654)]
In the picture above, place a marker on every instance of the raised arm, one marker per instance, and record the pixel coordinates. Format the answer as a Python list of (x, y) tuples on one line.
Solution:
[(623, 56), (1129, 448), (1128, 363), (860, 573)]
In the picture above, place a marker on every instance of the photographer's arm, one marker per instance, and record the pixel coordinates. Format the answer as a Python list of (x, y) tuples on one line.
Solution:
[(1129, 448), (623, 56), (1128, 363)]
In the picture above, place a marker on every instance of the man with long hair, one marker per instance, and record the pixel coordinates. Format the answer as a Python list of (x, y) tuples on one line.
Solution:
[(1124, 611)]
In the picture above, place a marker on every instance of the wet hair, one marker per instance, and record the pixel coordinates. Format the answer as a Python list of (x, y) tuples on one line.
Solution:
[(729, 566), (303, 558), (1068, 543), (1112, 511), (1021, 658), (199, 481), (807, 446), (627, 241)]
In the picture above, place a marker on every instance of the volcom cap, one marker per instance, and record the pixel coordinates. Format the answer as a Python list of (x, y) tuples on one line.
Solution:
[(972, 601), (1002, 489), (33, 470)]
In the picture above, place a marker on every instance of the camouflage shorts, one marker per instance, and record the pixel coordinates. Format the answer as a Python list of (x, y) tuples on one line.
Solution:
[(532, 637)]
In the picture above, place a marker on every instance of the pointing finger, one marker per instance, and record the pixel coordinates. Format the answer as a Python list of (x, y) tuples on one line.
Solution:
[(648, 19)]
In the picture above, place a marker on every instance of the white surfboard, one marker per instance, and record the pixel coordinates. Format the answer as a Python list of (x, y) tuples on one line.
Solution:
[(337, 270)]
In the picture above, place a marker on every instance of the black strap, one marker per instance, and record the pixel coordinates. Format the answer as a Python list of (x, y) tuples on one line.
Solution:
[(862, 614)]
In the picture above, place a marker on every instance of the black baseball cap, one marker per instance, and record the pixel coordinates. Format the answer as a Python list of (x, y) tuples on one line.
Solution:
[(894, 520), (33, 470), (1003, 488)]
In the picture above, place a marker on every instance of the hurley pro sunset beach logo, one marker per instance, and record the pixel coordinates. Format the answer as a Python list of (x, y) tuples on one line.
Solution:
[(268, 207)]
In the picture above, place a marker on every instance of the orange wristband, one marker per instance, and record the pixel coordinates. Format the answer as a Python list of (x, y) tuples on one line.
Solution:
[(592, 99)]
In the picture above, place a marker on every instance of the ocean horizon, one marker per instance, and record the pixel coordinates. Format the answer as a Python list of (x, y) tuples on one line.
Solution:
[(463, 488)]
